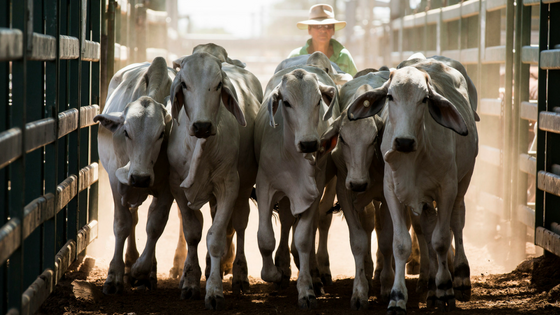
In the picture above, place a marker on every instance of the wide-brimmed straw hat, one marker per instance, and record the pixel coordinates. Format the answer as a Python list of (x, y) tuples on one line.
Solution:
[(321, 14)]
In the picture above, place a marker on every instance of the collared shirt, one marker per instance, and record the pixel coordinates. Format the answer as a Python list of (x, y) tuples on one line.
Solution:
[(341, 56)]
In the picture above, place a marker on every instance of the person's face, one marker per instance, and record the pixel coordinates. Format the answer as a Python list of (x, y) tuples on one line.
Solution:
[(321, 33)]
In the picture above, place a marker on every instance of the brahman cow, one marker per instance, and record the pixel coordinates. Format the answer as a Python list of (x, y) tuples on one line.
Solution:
[(133, 150), (354, 147), (319, 60), (429, 147), (305, 97), (212, 159)]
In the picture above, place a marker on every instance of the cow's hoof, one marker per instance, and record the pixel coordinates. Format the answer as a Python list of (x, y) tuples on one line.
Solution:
[(175, 272), (431, 301), (446, 303), (421, 286), (307, 303), (239, 287), (192, 293), (215, 302), (326, 279), (113, 288), (463, 293), (358, 304), (152, 283), (318, 288), (395, 310)]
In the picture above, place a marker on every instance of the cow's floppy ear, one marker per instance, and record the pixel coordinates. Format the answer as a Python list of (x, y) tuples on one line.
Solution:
[(111, 121), (369, 103), (177, 63), (446, 114), (235, 62), (273, 100), (330, 138), (229, 98), (177, 97), (328, 94), (167, 116)]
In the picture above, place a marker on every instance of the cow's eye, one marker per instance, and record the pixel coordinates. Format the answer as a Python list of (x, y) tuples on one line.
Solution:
[(319, 102), (341, 139), (219, 86), (126, 134), (184, 85), (161, 135), (390, 97), (425, 100), (287, 104)]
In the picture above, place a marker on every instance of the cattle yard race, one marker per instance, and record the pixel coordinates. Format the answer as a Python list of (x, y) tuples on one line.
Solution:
[(279, 157)]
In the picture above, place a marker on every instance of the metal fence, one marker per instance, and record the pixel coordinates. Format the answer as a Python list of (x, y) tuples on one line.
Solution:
[(485, 35), (49, 88)]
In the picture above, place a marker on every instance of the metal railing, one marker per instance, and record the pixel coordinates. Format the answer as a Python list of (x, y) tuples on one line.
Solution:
[(49, 91)]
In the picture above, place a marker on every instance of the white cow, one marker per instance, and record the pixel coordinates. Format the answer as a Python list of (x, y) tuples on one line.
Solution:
[(287, 165), (133, 150), (429, 146), (212, 159), (356, 154)]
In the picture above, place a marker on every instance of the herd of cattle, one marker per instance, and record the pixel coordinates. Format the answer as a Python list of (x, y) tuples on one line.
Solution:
[(396, 146)]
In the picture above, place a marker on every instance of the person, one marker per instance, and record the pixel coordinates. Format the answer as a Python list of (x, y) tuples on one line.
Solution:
[(321, 26)]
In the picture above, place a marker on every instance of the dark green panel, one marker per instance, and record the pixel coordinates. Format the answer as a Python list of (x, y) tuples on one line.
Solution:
[(74, 102), (541, 135), (95, 93), (50, 249), (20, 15), (62, 166), (4, 123), (34, 160)]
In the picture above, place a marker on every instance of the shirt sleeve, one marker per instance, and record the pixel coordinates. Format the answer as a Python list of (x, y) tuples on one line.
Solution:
[(346, 63), (296, 52)]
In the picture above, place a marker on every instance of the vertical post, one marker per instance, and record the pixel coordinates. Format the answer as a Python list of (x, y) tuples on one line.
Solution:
[(4, 123), (542, 106), (21, 11), (95, 92), (51, 150), (34, 160)]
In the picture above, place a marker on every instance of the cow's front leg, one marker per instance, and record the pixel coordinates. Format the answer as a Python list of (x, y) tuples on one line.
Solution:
[(461, 276), (265, 234), (305, 243), (158, 214), (122, 225), (441, 240), (282, 257), (240, 281), (180, 252), (401, 251), (325, 219), (131, 254), (192, 223), (384, 230), (359, 246), (226, 193), (422, 254), (367, 219)]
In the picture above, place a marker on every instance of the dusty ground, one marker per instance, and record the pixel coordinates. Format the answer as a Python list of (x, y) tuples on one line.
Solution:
[(531, 288)]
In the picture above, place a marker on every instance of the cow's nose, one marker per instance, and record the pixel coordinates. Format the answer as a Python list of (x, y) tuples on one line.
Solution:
[(202, 129), (404, 144), (308, 146), (142, 181), (358, 187)]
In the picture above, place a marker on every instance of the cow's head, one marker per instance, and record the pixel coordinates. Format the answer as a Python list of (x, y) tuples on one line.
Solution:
[(138, 133), (301, 95), (409, 93), (201, 86), (356, 141)]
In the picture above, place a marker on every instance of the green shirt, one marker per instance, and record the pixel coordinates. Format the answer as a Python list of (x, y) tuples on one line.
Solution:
[(341, 56)]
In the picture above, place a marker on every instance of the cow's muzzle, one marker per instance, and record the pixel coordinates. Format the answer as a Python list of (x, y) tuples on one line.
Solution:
[(404, 144), (141, 181), (202, 129), (358, 187), (308, 146)]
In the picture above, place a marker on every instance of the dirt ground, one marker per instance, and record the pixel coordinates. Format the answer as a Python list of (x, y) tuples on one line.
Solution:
[(532, 288)]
